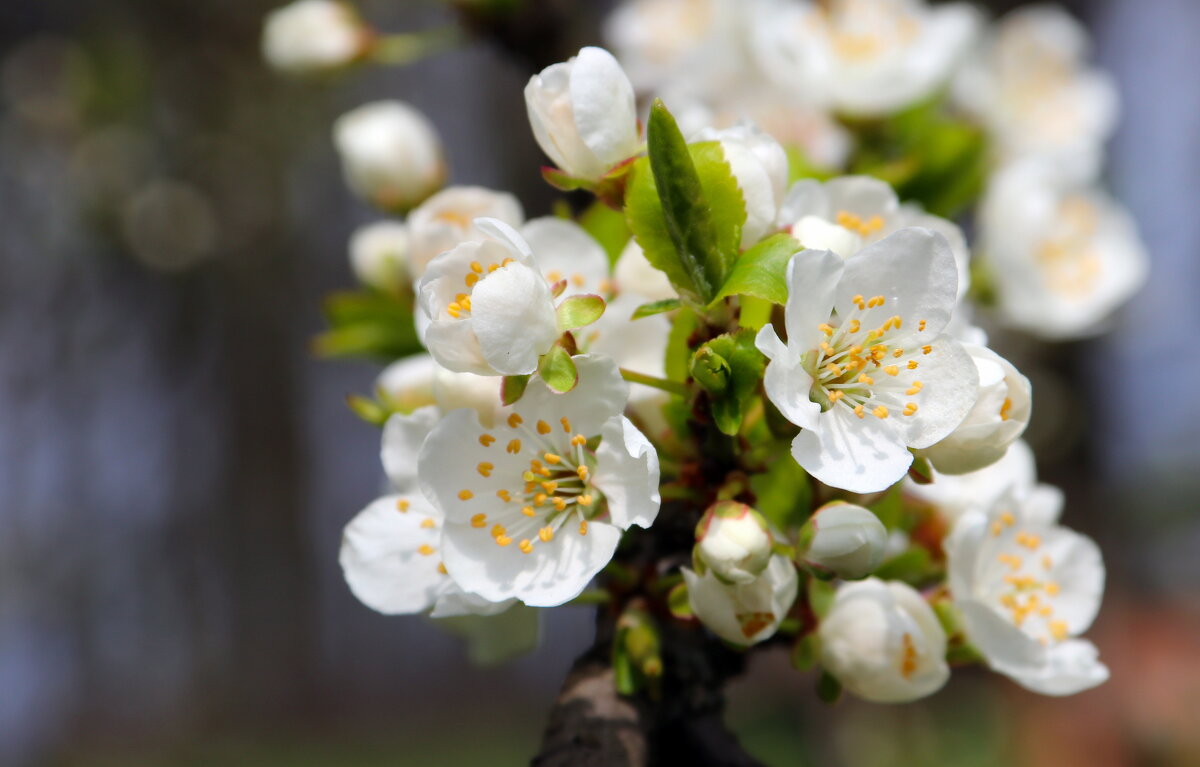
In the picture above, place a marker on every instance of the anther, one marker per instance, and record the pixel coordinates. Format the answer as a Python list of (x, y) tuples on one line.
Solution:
[(910, 408), (499, 531), (441, 568), (527, 511), (916, 387), (526, 546), (477, 267), (579, 440), (880, 412), (402, 505), (514, 446), (865, 379), (825, 328), (465, 495), (504, 495), (583, 527), (485, 469), (565, 424), (892, 370), (584, 500), (428, 523), (425, 550), (860, 411), (543, 427), (546, 534), (551, 458), (515, 420), (479, 520), (855, 325), (486, 439)]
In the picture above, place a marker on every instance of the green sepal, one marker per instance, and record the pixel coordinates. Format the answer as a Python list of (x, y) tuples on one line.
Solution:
[(914, 566), (762, 270), (368, 324), (829, 689), (920, 471), (820, 597), (710, 370), (655, 307), (368, 409), (579, 311), (512, 387), (730, 390), (805, 652), (557, 369), (677, 602), (562, 181)]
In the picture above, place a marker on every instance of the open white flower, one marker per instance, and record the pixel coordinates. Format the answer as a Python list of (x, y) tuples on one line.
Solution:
[(1063, 256), (1031, 87), (883, 642), (760, 166), (733, 541), (744, 613), (954, 495), (846, 214), (583, 114), (313, 36), (491, 311), (534, 508), (867, 371), (565, 251), (867, 57), (379, 254), (391, 154), (998, 418), (1026, 588), (407, 383), (635, 276), (448, 218), (848, 540)]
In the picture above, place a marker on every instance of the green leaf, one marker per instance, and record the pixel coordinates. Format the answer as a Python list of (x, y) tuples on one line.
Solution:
[(512, 387), (820, 597), (678, 355), (914, 567), (607, 227), (557, 369), (685, 208), (655, 307), (890, 508), (920, 471), (368, 409), (762, 270), (805, 652), (367, 324), (578, 311)]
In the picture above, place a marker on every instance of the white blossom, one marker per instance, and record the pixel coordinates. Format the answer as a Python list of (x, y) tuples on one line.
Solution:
[(848, 540), (744, 613), (866, 371), (490, 310), (448, 218), (865, 57), (564, 251), (313, 36), (407, 383), (760, 167), (1027, 588), (1030, 85), (1063, 256), (954, 495), (634, 275), (998, 418), (882, 641), (534, 508), (583, 114), (848, 213), (734, 542), (391, 154), (379, 255)]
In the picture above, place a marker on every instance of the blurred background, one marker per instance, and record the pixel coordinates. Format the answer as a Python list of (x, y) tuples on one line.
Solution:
[(176, 466)]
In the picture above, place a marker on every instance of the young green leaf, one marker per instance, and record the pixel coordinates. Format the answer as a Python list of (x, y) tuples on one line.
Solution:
[(762, 270), (557, 369), (607, 227), (655, 307), (577, 311), (685, 208), (512, 387)]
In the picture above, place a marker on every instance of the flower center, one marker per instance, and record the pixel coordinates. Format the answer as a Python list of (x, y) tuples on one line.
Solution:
[(460, 307), (553, 492), (1027, 594), (867, 369), (1067, 258)]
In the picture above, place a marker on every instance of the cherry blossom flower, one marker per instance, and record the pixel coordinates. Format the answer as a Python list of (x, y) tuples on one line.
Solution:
[(313, 36), (448, 218), (847, 540), (391, 154), (744, 613)]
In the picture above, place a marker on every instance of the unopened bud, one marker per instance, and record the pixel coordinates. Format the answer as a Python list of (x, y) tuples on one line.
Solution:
[(847, 540), (733, 540)]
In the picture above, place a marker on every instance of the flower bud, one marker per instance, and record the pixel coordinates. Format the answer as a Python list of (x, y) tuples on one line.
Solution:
[(999, 417), (313, 36), (760, 166), (847, 540), (583, 114), (744, 613), (733, 541), (883, 642), (408, 383), (391, 154), (379, 254)]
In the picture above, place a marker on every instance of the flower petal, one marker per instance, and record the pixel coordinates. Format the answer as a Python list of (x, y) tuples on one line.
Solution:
[(563, 250), (600, 394), (627, 473), (512, 315), (402, 439), (862, 455)]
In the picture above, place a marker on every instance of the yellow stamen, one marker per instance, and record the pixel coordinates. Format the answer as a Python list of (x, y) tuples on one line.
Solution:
[(860, 411), (565, 424), (504, 495), (526, 546), (479, 520), (486, 439), (465, 495), (402, 505), (527, 511), (583, 527), (514, 446), (425, 550), (546, 534), (880, 412), (543, 427), (515, 420), (551, 458), (485, 468)]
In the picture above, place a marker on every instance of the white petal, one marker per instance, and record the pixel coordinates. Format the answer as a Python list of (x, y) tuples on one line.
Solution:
[(381, 555), (951, 385), (786, 381), (862, 455), (913, 269), (604, 106), (563, 250), (448, 461), (402, 439), (1071, 667), (627, 473), (863, 196), (452, 343), (806, 197), (512, 315), (600, 394), (551, 574), (814, 278)]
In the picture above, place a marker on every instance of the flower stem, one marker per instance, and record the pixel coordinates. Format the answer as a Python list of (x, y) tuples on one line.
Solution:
[(673, 387)]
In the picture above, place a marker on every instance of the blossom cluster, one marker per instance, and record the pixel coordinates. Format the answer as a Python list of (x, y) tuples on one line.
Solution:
[(763, 325)]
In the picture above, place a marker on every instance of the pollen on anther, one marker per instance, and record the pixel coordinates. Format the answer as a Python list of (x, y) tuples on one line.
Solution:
[(499, 531), (515, 420), (504, 495), (926, 349), (585, 500), (921, 325), (425, 550), (465, 495), (583, 527), (860, 411), (566, 424), (539, 499), (898, 353), (527, 511), (910, 408), (913, 365), (503, 540), (543, 427), (486, 439), (880, 412), (836, 395), (550, 486), (551, 458), (526, 546), (402, 505), (582, 471), (477, 267), (825, 328), (479, 520), (485, 469), (858, 301), (514, 446), (855, 325), (546, 534), (916, 387), (892, 370), (428, 523), (560, 503), (579, 440), (441, 568), (471, 279), (865, 379)]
